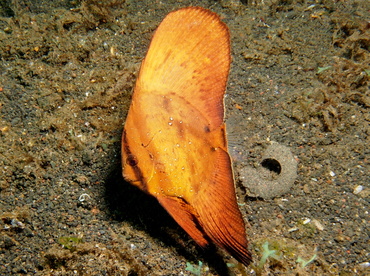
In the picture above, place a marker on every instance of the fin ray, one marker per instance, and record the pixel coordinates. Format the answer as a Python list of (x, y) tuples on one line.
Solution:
[(189, 55), (184, 216), (218, 211)]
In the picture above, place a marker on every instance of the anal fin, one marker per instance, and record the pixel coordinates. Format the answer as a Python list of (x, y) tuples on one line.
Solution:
[(185, 216)]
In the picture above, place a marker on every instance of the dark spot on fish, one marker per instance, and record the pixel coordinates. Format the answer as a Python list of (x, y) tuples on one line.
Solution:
[(166, 103), (132, 160)]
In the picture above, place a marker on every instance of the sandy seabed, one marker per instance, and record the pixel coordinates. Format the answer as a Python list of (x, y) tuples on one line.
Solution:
[(300, 77)]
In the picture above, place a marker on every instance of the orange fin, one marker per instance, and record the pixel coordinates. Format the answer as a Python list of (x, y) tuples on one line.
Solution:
[(218, 211), (189, 57), (184, 216)]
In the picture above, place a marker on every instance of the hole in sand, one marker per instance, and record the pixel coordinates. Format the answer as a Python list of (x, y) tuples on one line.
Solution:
[(272, 165)]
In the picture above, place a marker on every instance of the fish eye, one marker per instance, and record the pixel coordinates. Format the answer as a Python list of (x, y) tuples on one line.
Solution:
[(131, 160)]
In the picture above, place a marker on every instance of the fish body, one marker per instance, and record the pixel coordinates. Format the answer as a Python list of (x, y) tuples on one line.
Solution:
[(174, 143)]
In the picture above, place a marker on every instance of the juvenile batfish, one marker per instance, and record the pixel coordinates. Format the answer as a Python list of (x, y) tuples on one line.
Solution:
[(174, 145)]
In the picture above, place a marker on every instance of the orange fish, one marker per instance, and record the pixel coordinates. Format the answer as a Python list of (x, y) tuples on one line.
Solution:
[(174, 144)]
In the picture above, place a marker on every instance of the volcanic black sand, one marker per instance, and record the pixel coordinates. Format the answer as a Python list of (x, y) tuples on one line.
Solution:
[(300, 78)]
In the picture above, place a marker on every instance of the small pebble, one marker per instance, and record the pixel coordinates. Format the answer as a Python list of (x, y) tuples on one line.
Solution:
[(364, 265), (358, 189), (318, 224)]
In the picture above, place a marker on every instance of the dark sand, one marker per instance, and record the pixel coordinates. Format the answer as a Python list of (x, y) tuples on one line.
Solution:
[(300, 77)]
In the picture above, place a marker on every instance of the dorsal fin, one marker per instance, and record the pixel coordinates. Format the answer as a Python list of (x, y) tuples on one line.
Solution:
[(189, 55)]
